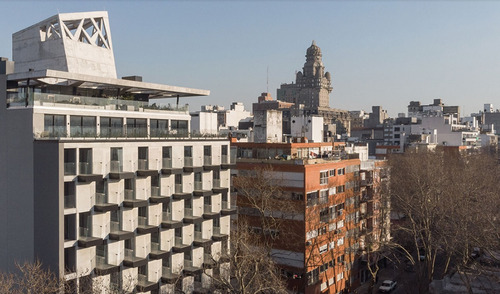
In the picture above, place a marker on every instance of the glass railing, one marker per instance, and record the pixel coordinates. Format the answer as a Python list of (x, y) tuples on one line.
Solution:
[(100, 260), (142, 279), (198, 185), (143, 221), (207, 257), (224, 159), (178, 241), (129, 194), (155, 246), (216, 231), (142, 164), (166, 271), (216, 182), (115, 166), (137, 132), (188, 263), (129, 253), (225, 205), (69, 201), (101, 198), (233, 157), (112, 132), (178, 188), (85, 232), (207, 208), (85, 168), (79, 131), (207, 160), (167, 163), (166, 216), (197, 235), (115, 226), (188, 161), (69, 168), (155, 191), (188, 212), (45, 99)]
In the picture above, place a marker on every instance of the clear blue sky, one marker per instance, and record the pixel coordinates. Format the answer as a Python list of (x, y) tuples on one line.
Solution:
[(379, 53)]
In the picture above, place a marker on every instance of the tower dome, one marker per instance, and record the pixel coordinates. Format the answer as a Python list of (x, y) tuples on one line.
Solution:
[(313, 50)]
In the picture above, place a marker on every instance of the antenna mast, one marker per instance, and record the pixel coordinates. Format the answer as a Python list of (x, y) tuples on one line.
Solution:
[(267, 82)]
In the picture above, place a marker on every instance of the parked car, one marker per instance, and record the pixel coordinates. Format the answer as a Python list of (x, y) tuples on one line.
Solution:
[(421, 254), (387, 286)]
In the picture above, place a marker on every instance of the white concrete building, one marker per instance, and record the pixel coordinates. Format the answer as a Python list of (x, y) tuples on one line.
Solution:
[(95, 182), (310, 127)]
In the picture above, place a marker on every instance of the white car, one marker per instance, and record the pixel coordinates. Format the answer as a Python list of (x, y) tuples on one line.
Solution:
[(387, 286)]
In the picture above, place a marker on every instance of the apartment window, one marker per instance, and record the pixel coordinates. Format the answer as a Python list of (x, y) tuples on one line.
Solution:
[(313, 276), (158, 127), (85, 224), (188, 207), (54, 125), (85, 161), (396, 136), (224, 157), (341, 189), (82, 126), (341, 171), (396, 129), (312, 198), (116, 164), (322, 231), (332, 173), (178, 183), (207, 155), (323, 196), (323, 178), (129, 189), (297, 196), (216, 178), (70, 227), (323, 249), (137, 127), (69, 195), (340, 276), (324, 215), (167, 156), (143, 158), (69, 161), (155, 185), (111, 127), (188, 155), (179, 127)]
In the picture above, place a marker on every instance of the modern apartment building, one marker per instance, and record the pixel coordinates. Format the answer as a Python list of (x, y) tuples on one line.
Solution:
[(319, 247), (97, 183)]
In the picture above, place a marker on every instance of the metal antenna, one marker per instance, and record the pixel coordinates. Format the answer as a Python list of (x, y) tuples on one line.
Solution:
[(267, 82)]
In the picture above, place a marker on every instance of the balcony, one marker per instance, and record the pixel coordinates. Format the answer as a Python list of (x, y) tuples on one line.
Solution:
[(189, 269), (144, 228), (168, 277), (179, 246), (188, 165), (131, 201), (69, 201), (85, 173), (131, 260), (216, 183), (228, 162), (156, 196), (198, 190), (168, 223), (86, 240), (156, 252), (207, 163), (179, 194), (102, 266), (116, 171), (189, 218), (102, 203), (143, 169), (143, 285), (227, 208), (69, 168), (167, 168), (116, 233), (199, 241), (217, 236), (208, 213), (208, 261)]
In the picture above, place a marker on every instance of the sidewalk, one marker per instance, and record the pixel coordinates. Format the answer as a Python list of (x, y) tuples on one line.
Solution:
[(387, 273)]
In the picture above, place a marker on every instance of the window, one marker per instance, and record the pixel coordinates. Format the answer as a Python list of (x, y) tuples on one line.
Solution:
[(167, 156), (137, 127), (82, 126), (116, 164), (341, 171), (224, 157), (158, 127), (396, 136), (143, 158), (332, 173), (69, 161), (323, 249), (297, 196), (178, 183), (85, 161), (55, 125), (323, 196), (323, 178), (111, 127), (188, 155), (311, 234), (322, 231), (179, 127), (312, 198), (198, 183), (313, 276), (216, 178), (207, 155), (396, 129), (340, 276), (340, 242)]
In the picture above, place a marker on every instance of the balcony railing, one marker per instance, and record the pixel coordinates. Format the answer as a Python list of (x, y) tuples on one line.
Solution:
[(216, 183), (85, 232), (116, 166), (225, 205), (197, 235), (45, 99), (166, 271), (155, 191), (207, 208), (198, 185), (224, 159), (188, 212), (142, 164), (115, 226), (188, 161), (167, 162), (178, 241), (207, 160), (216, 231), (69, 168), (142, 279), (129, 194), (69, 201), (143, 221), (129, 253), (155, 246), (85, 168), (166, 216), (188, 263), (178, 188), (101, 198)]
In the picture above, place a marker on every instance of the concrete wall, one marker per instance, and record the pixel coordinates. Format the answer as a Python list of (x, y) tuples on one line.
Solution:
[(16, 184)]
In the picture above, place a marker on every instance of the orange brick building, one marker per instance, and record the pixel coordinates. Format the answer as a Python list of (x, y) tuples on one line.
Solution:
[(318, 248)]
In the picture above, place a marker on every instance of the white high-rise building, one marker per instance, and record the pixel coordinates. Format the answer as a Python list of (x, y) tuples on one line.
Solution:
[(95, 181)]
